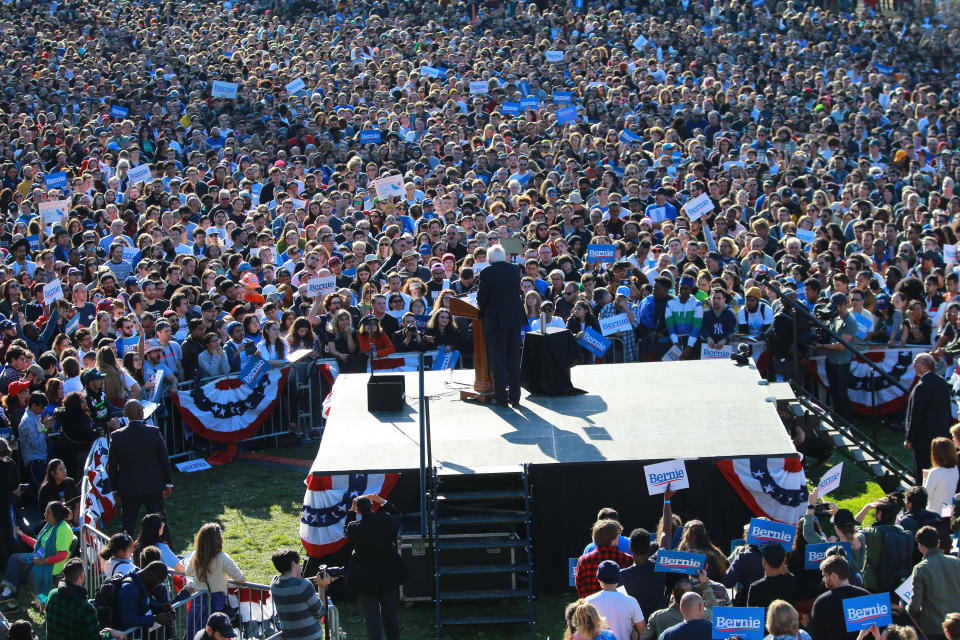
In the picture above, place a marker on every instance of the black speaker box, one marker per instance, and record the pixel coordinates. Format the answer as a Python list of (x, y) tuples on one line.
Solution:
[(385, 393)]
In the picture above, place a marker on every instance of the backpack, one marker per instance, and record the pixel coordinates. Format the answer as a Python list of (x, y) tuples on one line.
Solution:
[(896, 558), (107, 602)]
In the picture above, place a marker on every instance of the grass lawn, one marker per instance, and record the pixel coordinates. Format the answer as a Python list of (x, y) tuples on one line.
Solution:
[(259, 509)]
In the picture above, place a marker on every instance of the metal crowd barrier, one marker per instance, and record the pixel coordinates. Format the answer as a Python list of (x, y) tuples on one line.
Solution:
[(91, 541)]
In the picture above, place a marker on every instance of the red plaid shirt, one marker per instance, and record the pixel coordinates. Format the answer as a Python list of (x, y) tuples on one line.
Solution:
[(589, 562)]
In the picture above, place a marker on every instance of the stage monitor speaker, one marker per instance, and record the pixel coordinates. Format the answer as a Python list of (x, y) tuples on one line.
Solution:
[(385, 393)]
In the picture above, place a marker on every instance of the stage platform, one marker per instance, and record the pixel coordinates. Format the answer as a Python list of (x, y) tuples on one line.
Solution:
[(707, 410)]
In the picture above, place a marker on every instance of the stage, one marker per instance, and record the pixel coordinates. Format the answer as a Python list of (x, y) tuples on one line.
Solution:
[(707, 410)]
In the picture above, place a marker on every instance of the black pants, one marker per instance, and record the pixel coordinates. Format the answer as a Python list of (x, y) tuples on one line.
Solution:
[(385, 608), (130, 509), (503, 350), (838, 377), (921, 461)]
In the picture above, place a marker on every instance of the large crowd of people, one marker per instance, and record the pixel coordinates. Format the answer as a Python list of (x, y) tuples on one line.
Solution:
[(192, 174)]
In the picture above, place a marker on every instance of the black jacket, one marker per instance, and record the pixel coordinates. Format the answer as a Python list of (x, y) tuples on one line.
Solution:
[(375, 566), (499, 298), (928, 411), (137, 461)]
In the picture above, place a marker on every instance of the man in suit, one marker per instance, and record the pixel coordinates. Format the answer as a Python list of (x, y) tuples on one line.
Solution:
[(376, 570), (138, 467), (928, 413), (502, 312)]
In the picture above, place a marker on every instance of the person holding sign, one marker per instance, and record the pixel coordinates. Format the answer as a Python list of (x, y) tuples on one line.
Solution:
[(826, 617), (622, 305), (684, 318)]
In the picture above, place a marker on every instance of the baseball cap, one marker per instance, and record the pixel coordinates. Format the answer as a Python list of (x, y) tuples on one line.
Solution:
[(208, 306), (753, 292), (608, 572), (90, 375), (17, 386), (219, 621), (882, 301), (838, 299), (335, 261), (436, 267), (152, 344), (244, 266), (623, 291)]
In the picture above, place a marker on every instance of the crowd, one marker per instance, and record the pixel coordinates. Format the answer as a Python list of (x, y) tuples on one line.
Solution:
[(181, 180)]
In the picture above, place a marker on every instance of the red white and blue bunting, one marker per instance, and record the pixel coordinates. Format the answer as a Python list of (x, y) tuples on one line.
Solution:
[(771, 487)]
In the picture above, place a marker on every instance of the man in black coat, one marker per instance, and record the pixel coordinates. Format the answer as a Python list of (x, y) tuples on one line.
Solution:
[(928, 413), (138, 467), (376, 570), (503, 316)]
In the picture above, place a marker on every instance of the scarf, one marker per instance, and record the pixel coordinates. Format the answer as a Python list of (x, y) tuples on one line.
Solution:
[(42, 574)]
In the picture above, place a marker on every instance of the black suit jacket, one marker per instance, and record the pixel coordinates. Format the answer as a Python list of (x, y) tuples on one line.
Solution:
[(375, 566), (499, 298), (137, 461), (928, 411)]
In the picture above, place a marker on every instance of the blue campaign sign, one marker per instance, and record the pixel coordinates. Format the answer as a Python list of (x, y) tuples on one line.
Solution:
[(510, 108), (865, 611), (815, 553), (127, 344), (524, 87), (739, 622), (529, 104), (563, 97), (421, 321), (572, 571), (680, 562), (117, 111), (371, 136), (763, 532), (594, 342), (445, 360), (34, 241), (566, 114), (600, 253), (56, 180), (254, 369), (629, 137)]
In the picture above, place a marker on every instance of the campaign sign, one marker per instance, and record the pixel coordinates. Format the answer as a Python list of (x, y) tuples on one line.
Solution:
[(56, 180), (640, 42), (723, 353), (52, 291), (321, 286), (371, 136), (629, 137), (223, 89), (295, 85), (738, 622), (157, 384), (127, 344), (566, 114), (594, 342), (430, 72), (445, 360), (905, 590), (129, 253), (479, 86), (766, 531), (830, 480), (950, 253), (815, 553), (117, 111), (389, 186), (529, 104), (510, 108), (680, 562), (53, 211), (699, 206), (34, 241), (600, 253), (864, 325), (615, 324), (657, 214), (563, 97), (673, 354), (572, 571), (866, 611), (661, 474), (806, 236), (140, 173), (254, 369), (421, 321), (192, 466), (553, 56)]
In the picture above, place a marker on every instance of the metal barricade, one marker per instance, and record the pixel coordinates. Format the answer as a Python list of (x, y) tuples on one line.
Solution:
[(180, 613), (91, 541)]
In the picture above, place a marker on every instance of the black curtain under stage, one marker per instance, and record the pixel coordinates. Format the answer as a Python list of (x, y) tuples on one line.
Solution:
[(566, 498)]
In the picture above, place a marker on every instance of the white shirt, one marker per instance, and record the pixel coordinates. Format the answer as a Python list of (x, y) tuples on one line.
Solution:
[(941, 485), (554, 322), (621, 611)]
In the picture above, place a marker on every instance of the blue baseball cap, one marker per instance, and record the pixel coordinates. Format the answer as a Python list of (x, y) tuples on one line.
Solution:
[(244, 266)]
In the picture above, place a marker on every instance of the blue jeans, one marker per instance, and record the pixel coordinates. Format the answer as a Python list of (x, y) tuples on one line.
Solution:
[(18, 570)]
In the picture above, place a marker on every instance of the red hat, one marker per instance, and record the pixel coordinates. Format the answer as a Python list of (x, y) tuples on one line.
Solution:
[(105, 305), (448, 256), (17, 386)]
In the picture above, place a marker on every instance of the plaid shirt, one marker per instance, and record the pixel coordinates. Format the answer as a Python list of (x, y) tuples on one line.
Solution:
[(631, 351), (589, 562), (70, 616)]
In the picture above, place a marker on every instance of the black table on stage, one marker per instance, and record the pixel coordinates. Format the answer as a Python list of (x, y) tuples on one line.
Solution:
[(546, 361)]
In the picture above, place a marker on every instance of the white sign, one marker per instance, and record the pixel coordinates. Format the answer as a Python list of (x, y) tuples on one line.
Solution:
[(640, 42), (553, 56), (129, 253), (52, 291), (295, 85), (673, 355), (950, 253), (223, 89), (479, 86), (615, 324), (723, 353), (905, 591), (672, 473), (157, 384), (293, 356), (321, 286), (657, 214), (806, 236), (830, 480), (699, 206), (139, 174), (193, 465), (53, 211), (389, 186)]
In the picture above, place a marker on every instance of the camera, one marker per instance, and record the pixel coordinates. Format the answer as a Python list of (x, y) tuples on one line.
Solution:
[(333, 572)]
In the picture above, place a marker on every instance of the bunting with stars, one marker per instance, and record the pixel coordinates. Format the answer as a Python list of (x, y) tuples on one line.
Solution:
[(771, 487)]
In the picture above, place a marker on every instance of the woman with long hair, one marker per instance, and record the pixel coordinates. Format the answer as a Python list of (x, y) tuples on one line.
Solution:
[(57, 486), (50, 551), (584, 623), (76, 432), (783, 622), (696, 540), (153, 533), (210, 569), (117, 384), (301, 336), (940, 480), (133, 365), (273, 348), (374, 341), (443, 332), (343, 344)]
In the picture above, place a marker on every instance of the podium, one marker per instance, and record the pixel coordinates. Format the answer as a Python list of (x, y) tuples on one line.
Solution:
[(483, 382)]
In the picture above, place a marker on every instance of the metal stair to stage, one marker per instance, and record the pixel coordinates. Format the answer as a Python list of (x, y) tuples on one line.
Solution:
[(496, 518)]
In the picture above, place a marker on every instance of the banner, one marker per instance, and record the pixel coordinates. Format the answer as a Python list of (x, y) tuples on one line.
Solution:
[(321, 286), (723, 353), (140, 173), (445, 360), (771, 487), (815, 553), (868, 390), (738, 622), (830, 480), (371, 136), (865, 611), (295, 85), (662, 474), (56, 180), (389, 186), (680, 562), (252, 371), (223, 89), (224, 410), (98, 502), (327, 502), (615, 324), (763, 532), (53, 211), (52, 291), (594, 342), (699, 206), (566, 114), (600, 253)]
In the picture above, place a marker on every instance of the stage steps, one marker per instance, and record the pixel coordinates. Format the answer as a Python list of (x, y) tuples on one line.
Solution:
[(852, 443), (482, 511)]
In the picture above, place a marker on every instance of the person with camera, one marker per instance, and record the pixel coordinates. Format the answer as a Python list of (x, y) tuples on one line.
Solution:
[(838, 356), (300, 607), (376, 570)]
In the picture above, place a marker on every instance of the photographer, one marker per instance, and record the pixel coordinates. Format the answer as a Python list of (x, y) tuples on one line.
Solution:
[(838, 357), (300, 607), (409, 337), (376, 570)]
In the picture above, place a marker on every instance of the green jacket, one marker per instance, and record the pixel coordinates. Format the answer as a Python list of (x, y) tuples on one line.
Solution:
[(663, 619), (936, 590), (70, 616)]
